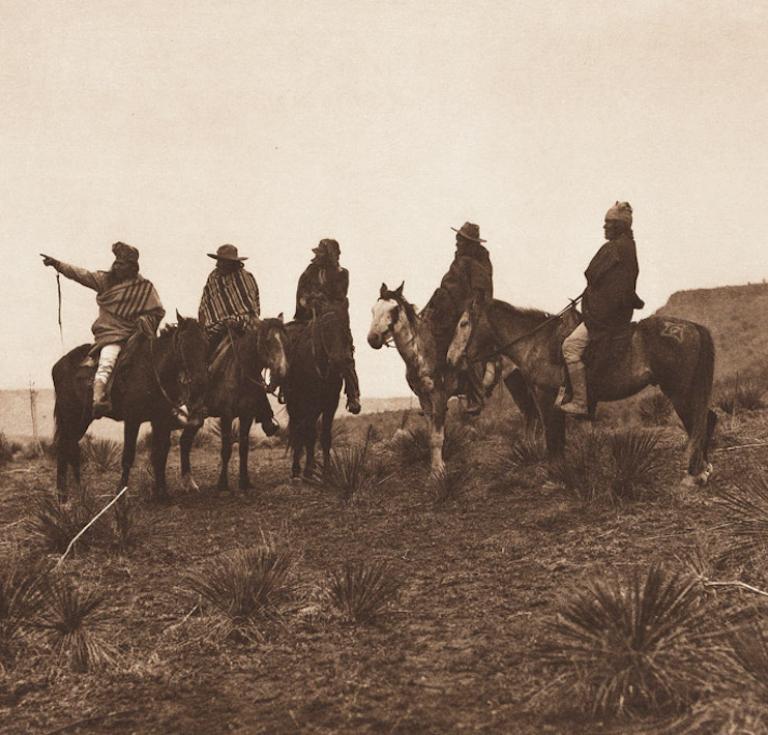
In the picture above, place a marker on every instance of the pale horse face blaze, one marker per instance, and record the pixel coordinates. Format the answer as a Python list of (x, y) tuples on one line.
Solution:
[(385, 315), (458, 348), (276, 358)]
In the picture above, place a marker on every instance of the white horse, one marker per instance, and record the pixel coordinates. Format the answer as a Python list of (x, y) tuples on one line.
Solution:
[(428, 376)]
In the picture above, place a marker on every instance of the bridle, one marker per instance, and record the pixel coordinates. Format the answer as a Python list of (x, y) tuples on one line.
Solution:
[(184, 376), (388, 336), (236, 352)]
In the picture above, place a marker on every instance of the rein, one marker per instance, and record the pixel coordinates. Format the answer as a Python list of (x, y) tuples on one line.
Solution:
[(239, 362), (175, 407), (499, 350)]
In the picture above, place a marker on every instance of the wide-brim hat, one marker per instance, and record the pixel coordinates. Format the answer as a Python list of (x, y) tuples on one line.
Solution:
[(470, 231), (227, 252)]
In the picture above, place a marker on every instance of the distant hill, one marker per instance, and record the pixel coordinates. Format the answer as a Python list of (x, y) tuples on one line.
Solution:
[(16, 414), (737, 316)]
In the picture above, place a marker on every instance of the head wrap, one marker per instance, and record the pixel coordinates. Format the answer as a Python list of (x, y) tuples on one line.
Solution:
[(125, 253), (621, 211)]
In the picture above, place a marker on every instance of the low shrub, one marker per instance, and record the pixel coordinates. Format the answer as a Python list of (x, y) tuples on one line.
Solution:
[(635, 647), (349, 471), (741, 394), (360, 591), (105, 455), (241, 587), (655, 410)]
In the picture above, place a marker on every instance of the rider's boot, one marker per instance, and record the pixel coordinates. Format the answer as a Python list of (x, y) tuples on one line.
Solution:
[(577, 406), (101, 405)]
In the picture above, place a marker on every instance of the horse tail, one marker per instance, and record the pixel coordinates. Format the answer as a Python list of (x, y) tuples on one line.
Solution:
[(699, 395)]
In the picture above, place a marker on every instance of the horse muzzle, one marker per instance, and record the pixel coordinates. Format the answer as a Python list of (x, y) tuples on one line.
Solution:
[(375, 340)]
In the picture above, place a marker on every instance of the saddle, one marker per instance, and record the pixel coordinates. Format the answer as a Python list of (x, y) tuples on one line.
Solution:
[(605, 351)]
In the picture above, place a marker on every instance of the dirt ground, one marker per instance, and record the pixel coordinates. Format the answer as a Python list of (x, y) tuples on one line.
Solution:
[(481, 576)]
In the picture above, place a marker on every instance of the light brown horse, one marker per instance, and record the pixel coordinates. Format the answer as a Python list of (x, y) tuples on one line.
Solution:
[(675, 354), (428, 376)]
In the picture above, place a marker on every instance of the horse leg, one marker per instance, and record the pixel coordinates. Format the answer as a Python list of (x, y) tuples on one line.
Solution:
[(326, 435), (554, 422), (225, 422), (185, 448), (245, 428), (310, 437), (130, 434), (161, 443), (296, 432), (437, 432), (699, 429)]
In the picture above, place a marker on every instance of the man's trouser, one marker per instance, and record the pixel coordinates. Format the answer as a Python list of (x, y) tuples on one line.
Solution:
[(575, 344), (107, 359)]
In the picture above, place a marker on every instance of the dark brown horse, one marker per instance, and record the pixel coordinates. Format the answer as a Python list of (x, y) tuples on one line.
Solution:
[(236, 389), (319, 357), (675, 354), (152, 383)]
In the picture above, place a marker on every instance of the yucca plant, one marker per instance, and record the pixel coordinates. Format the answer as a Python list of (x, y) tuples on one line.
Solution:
[(655, 410), (414, 445), (741, 394), (635, 462), (54, 525), (349, 472), (361, 590), (69, 621), (750, 652), (582, 469), (522, 451), (20, 599), (745, 511), (127, 526), (448, 484), (104, 455), (242, 586), (635, 647)]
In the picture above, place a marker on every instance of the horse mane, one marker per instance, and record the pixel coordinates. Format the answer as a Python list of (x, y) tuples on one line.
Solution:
[(168, 330), (524, 313), (410, 309)]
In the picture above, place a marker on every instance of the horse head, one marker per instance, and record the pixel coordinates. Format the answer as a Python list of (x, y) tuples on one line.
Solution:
[(272, 349), (386, 314), (473, 340), (190, 348)]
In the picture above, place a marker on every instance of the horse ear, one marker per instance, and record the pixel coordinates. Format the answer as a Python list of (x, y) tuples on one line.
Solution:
[(281, 317), (179, 318), (399, 289), (383, 290)]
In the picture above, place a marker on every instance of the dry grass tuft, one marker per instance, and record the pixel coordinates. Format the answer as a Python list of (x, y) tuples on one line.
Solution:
[(20, 600), (413, 445), (634, 648), (616, 467), (104, 455), (655, 410), (7, 449), (242, 586), (361, 590), (349, 471), (741, 394), (448, 485), (68, 621), (745, 508)]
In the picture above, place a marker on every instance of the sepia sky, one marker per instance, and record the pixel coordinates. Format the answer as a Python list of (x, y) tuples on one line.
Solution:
[(178, 125)]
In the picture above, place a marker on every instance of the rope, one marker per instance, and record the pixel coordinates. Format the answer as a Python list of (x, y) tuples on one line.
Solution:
[(61, 328), (499, 350)]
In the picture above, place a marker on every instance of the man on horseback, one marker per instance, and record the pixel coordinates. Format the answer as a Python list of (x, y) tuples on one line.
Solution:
[(608, 300), (230, 303), (325, 283), (468, 282), (128, 303)]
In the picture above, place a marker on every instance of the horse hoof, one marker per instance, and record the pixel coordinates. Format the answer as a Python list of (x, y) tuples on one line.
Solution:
[(295, 479), (189, 485), (247, 485)]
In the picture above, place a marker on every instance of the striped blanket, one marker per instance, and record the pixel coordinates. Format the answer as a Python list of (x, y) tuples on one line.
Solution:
[(227, 296)]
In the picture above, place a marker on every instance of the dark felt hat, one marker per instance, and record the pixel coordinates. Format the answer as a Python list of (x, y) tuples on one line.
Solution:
[(469, 231), (227, 252)]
